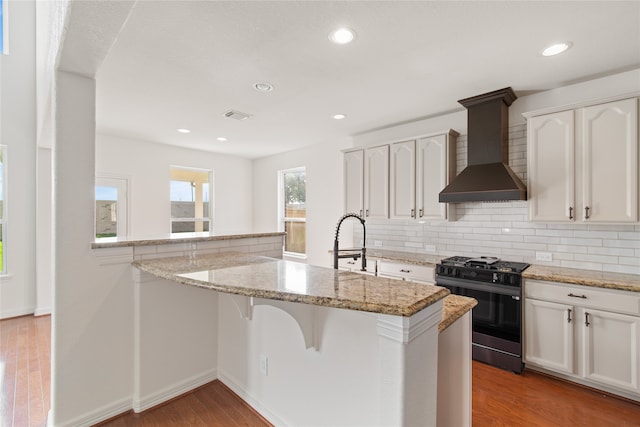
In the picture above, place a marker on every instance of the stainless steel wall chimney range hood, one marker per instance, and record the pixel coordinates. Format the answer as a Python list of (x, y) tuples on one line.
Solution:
[(487, 177)]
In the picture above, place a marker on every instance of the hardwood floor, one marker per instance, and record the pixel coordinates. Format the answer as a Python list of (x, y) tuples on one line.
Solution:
[(499, 398), (25, 379), (532, 399)]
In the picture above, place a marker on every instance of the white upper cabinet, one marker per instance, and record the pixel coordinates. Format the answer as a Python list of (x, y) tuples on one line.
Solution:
[(551, 167), (354, 182), (583, 164), (419, 170), (376, 182), (610, 162), (435, 168)]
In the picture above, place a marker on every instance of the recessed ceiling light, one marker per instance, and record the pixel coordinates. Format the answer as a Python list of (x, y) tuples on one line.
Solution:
[(556, 49), (263, 87), (183, 130), (221, 138), (339, 116), (342, 35)]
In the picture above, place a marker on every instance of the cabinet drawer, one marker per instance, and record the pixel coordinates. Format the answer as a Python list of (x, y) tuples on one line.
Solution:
[(407, 271), (355, 265), (584, 296)]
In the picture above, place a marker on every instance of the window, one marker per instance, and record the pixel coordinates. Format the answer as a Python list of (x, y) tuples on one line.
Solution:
[(111, 206), (3, 209), (292, 195), (3, 27), (190, 195)]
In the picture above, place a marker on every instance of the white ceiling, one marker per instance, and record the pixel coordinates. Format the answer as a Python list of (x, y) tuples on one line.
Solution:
[(183, 64)]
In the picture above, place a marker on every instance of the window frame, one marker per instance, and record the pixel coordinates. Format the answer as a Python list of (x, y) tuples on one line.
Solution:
[(203, 219), (122, 183), (282, 219)]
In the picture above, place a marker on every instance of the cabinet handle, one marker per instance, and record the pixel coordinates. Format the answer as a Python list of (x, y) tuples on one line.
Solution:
[(570, 212), (577, 296), (586, 319), (421, 212), (402, 270), (568, 315), (360, 213), (366, 212), (586, 212), (413, 213)]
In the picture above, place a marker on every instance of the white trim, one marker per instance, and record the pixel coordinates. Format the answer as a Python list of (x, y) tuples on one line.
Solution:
[(530, 114), (281, 212), (42, 311), (91, 418), (405, 329), (174, 390), (5, 212), (249, 399), (17, 313)]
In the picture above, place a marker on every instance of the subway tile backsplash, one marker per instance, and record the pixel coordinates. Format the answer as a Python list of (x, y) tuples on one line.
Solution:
[(502, 229)]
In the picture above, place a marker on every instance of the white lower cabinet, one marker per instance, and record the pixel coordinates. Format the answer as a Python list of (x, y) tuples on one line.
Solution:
[(549, 335), (589, 335), (409, 272)]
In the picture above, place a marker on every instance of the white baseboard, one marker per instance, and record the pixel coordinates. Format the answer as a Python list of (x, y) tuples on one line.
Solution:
[(42, 311), (8, 314), (253, 402), (143, 403), (101, 414)]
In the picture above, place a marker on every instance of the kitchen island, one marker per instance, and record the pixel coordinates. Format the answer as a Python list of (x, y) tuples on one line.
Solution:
[(304, 345)]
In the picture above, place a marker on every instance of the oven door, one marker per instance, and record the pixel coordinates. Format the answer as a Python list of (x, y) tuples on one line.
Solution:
[(498, 313)]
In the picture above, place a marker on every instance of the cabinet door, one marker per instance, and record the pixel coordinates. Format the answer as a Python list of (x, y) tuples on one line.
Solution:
[(551, 158), (376, 182), (353, 182), (611, 345), (431, 176), (610, 162), (549, 335), (402, 180)]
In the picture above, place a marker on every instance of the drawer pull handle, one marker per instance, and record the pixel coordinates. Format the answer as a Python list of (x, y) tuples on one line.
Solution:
[(402, 270), (586, 320), (421, 212), (570, 212), (586, 212), (568, 315), (577, 296), (413, 213)]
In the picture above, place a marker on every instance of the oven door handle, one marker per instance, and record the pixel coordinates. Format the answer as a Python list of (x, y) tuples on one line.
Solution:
[(494, 288)]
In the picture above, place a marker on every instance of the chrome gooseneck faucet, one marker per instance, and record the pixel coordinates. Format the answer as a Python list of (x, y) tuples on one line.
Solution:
[(363, 251)]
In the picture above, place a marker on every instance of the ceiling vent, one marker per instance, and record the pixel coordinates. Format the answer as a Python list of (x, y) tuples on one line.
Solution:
[(237, 115)]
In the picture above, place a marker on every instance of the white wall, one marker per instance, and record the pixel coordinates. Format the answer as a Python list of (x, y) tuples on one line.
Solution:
[(18, 132), (323, 164), (503, 229), (147, 167)]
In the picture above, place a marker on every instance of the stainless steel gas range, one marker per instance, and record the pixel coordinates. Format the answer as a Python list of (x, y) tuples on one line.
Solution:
[(497, 319)]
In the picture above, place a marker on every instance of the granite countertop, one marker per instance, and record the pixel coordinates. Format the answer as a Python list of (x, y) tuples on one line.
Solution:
[(600, 279), (404, 257), (455, 306), (270, 278), (116, 242)]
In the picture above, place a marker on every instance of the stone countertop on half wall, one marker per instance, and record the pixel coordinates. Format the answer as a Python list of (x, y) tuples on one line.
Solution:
[(116, 242), (599, 279), (275, 279)]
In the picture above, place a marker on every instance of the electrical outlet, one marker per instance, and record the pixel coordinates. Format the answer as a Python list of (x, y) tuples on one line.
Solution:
[(430, 248), (544, 256), (377, 243), (264, 364)]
